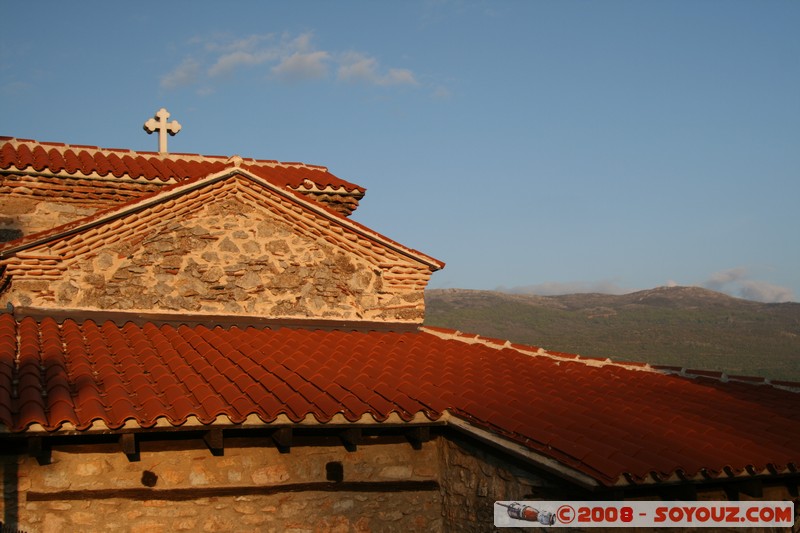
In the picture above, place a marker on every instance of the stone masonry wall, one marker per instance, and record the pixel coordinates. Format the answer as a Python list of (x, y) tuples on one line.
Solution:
[(226, 256), (45, 502), (20, 216), (29, 204), (474, 477)]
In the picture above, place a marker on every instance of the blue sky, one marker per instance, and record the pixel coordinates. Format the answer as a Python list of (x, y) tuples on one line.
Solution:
[(535, 146)]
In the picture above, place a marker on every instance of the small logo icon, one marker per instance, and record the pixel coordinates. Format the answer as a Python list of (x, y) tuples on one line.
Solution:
[(528, 513), (565, 514)]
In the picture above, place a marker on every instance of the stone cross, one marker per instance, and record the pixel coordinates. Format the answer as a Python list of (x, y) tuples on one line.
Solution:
[(159, 122)]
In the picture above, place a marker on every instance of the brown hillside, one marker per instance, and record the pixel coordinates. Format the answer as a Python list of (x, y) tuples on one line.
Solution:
[(684, 326)]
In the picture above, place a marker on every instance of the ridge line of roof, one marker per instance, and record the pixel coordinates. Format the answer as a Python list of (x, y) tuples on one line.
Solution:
[(536, 351), (186, 156)]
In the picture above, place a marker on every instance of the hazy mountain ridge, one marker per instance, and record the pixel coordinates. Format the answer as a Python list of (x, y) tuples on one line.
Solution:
[(684, 326)]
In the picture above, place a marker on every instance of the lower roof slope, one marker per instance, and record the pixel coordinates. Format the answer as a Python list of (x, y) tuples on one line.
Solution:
[(616, 423)]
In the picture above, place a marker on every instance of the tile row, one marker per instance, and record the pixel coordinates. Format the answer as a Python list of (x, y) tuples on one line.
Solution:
[(57, 158), (606, 420)]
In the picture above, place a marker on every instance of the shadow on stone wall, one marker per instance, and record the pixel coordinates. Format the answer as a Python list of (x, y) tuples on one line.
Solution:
[(10, 521), (10, 234)]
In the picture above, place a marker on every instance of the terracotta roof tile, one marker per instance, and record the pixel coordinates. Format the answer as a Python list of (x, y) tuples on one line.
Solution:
[(22, 154), (650, 425)]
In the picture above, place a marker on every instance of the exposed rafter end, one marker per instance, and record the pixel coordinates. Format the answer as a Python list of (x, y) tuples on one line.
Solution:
[(418, 435), (39, 448), (351, 437), (283, 439), (214, 440), (130, 446)]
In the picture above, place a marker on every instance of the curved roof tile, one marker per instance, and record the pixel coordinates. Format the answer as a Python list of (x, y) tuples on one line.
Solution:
[(22, 154), (542, 400)]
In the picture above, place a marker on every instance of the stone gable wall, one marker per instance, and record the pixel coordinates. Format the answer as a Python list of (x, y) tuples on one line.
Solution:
[(228, 256)]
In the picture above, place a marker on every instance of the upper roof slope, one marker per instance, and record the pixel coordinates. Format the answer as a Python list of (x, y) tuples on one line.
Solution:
[(60, 158), (78, 161)]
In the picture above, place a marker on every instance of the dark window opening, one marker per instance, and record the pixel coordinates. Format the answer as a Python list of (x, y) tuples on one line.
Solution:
[(334, 471)]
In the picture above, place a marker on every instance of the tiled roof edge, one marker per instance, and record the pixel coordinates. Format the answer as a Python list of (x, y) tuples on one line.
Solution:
[(535, 351), (625, 479), (314, 188), (723, 377), (444, 333), (29, 171), (521, 451), (354, 226), (252, 421), (15, 141)]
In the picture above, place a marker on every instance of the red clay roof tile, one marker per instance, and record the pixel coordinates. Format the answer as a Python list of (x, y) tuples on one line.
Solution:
[(57, 157), (649, 424)]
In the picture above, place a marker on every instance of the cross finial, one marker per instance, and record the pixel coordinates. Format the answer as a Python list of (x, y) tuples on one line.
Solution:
[(159, 122)]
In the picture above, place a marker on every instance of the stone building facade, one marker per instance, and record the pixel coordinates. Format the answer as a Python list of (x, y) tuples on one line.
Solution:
[(196, 343), (383, 485)]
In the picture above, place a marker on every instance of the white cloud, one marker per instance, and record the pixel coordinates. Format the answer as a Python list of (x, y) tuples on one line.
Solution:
[(762, 291), (288, 58), (301, 43), (398, 76), (184, 74), (356, 67), (248, 43), (441, 92), (737, 282), (718, 280), (734, 281), (302, 66), (229, 62)]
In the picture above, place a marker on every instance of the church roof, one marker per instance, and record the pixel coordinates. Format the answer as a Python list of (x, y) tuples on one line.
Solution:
[(111, 163), (617, 424), (105, 176)]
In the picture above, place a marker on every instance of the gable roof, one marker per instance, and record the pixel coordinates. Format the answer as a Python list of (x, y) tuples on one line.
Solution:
[(97, 166), (65, 159), (167, 195), (611, 424)]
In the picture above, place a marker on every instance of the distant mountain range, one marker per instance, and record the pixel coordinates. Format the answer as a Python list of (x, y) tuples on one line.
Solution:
[(688, 327)]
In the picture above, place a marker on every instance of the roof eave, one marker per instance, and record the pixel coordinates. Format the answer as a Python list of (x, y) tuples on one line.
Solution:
[(522, 452)]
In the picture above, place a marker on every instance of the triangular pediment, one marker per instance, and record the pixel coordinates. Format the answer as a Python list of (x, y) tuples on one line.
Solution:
[(45, 184), (229, 243)]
